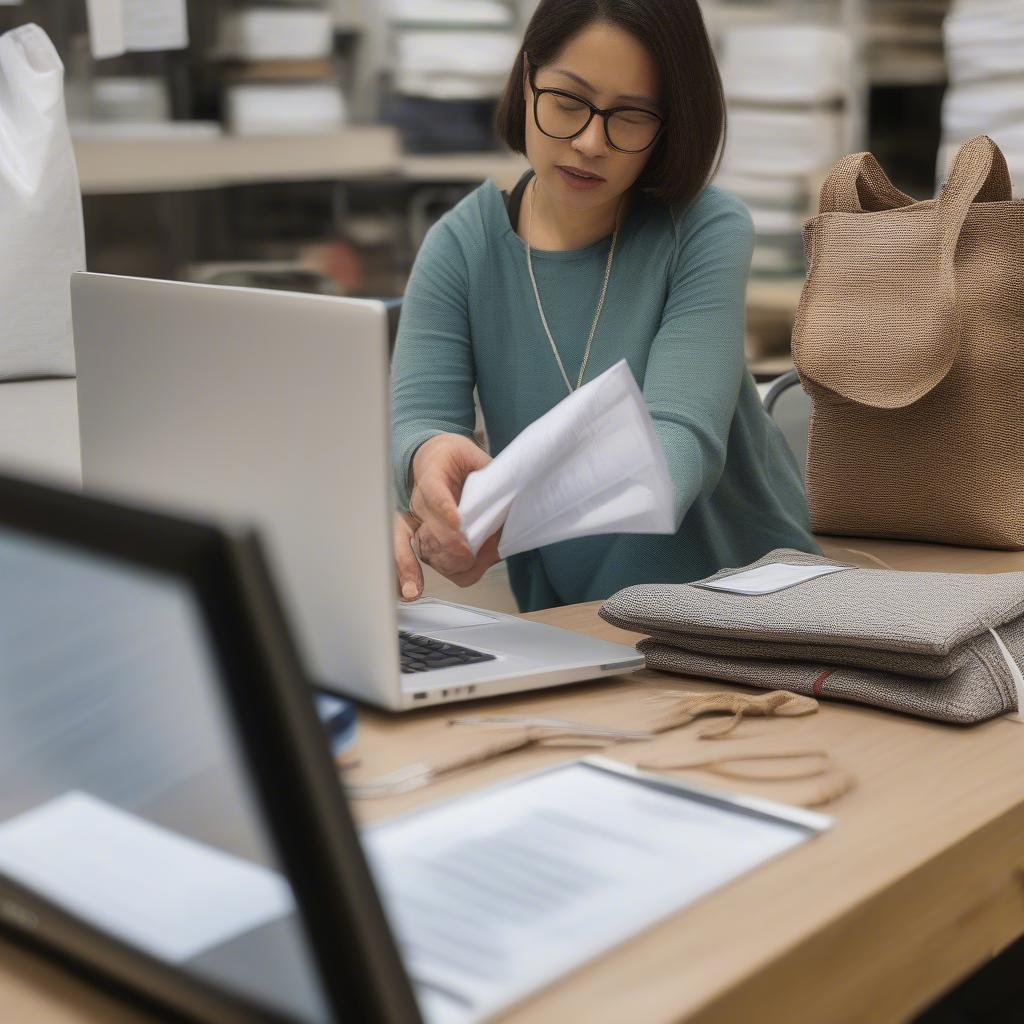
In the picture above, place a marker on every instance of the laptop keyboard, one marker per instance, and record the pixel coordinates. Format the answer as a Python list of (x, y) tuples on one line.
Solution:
[(423, 654)]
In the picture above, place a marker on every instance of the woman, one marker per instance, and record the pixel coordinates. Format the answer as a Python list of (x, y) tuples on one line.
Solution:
[(613, 246)]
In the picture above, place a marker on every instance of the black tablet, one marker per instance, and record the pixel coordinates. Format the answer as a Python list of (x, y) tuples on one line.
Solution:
[(169, 815)]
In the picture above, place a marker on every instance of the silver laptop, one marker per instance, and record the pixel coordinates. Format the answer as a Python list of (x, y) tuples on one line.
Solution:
[(272, 408)]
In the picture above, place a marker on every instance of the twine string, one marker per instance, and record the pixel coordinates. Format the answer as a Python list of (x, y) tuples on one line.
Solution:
[(682, 708)]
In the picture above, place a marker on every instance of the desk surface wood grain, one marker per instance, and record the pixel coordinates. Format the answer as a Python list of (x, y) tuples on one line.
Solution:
[(920, 881)]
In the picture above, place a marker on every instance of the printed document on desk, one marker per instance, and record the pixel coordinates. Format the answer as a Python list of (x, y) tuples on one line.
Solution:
[(591, 465), (496, 894)]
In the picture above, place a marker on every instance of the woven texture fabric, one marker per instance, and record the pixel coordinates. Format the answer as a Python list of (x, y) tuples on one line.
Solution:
[(916, 642), (909, 338), (978, 691)]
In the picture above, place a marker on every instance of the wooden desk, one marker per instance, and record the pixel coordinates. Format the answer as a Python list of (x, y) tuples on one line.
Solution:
[(920, 881)]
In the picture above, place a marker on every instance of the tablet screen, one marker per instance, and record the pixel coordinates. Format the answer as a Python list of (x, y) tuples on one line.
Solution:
[(126, 803)]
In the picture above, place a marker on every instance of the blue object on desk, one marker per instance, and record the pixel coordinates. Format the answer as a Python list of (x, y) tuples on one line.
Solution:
[(339, 720)]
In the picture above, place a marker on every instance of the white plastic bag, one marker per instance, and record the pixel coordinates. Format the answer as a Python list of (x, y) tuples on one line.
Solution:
[(42, 237)]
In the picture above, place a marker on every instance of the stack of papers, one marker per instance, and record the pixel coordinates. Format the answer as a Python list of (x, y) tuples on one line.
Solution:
[(592, 465), (780, 141), (277, 108), (267, 33), (453, 63), (453, 49), (495, 894), (785, 64)]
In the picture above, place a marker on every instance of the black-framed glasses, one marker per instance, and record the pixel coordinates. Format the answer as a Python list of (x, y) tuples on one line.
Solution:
[(564, 115)]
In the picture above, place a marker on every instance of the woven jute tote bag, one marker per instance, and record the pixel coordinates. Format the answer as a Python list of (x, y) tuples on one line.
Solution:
[(909, 339)]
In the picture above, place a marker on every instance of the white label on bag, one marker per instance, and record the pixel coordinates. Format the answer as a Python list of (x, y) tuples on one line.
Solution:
[(766, 579)]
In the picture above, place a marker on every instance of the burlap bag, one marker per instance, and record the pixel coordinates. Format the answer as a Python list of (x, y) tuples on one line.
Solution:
[(909, 339)]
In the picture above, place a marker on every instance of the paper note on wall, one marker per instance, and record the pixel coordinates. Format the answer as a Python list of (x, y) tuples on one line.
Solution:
[(106, 27), (120, 26)]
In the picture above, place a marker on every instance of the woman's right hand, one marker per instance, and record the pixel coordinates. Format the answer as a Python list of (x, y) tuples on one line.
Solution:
[(439, 470)]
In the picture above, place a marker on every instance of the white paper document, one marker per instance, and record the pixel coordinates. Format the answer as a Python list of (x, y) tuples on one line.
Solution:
[(591, 465), (156, 24), (766, 579), (162, 892), (496, 894), (119, 26)]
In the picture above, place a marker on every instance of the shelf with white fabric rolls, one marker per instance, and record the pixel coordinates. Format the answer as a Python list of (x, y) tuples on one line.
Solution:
[(795, 86), (184, 160)]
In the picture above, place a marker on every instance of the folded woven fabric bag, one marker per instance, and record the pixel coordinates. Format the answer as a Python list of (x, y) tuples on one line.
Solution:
[(946, 646)]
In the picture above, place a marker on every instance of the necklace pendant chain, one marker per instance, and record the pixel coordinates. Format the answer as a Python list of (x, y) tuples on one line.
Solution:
[(600, 301)]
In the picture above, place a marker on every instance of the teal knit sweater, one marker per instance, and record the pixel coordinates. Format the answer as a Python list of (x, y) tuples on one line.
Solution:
[(674, 310)]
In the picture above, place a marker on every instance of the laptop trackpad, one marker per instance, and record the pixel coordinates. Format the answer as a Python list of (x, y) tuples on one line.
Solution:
[(430, 616)]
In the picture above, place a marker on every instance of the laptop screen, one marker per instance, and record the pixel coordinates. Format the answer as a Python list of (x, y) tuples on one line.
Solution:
[(125, 802)]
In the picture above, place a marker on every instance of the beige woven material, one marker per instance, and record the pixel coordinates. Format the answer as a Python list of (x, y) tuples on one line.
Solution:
[(909, 339), (682, 708)]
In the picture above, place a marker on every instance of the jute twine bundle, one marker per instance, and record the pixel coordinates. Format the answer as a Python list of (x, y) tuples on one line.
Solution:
[(829, 782), (685, 707), (674, 710)]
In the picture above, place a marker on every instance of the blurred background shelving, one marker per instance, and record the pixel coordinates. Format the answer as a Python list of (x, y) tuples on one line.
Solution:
[(161, 162), (273, 149), (178, 162), (311, 143), (797, 96)]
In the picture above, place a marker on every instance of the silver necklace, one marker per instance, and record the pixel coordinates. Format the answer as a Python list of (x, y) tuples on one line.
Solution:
[(540, 308)]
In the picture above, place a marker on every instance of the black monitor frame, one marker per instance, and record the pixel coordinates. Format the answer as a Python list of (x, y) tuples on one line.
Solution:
[(282, 744)]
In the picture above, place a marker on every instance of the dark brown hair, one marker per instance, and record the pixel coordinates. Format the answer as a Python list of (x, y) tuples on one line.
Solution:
[(693, 104)]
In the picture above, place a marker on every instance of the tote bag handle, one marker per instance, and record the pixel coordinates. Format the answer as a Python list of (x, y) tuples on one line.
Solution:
[(897, 364), (857, 184), (979, 175)]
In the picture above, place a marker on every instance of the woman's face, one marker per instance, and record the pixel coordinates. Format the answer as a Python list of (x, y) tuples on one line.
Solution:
[(610, 68)]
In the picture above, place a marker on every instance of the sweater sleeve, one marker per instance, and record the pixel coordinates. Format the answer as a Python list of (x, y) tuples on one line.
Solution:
[(432, 372), (696, 362)]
